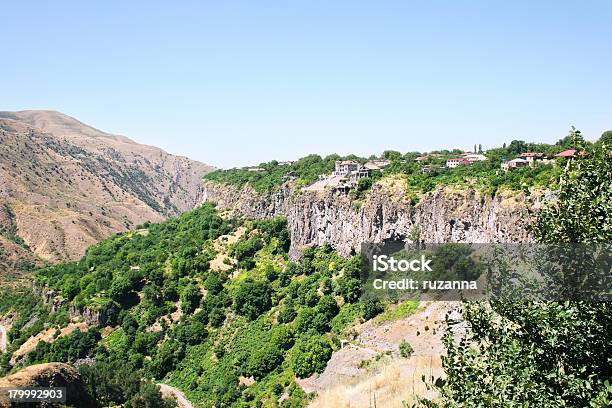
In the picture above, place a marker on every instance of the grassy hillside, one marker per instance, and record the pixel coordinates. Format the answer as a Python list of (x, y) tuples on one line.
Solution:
[(240, 333)]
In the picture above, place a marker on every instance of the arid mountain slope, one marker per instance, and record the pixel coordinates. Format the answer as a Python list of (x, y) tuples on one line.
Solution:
[(65, 185), (14, 258)]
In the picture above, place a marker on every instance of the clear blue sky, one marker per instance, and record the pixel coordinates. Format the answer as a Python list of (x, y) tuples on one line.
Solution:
[(240, 82)]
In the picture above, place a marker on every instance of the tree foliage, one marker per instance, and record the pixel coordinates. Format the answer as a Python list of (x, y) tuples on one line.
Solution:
[(253, 298), (310, 356), (545, 354)]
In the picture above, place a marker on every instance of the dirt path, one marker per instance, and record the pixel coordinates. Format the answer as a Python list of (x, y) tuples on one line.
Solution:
[(347, 382), (3, 339), (181, 400)]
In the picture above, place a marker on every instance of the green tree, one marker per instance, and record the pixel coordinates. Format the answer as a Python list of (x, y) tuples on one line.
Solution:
[(370, 308), (574, 140), (517, 147), (544, 354), (606, 138), (582, 210), (328, 307), (309, 318), (190, 298), (310, 356), (253, 298), (149, 396), (264, 360), (392, 155)]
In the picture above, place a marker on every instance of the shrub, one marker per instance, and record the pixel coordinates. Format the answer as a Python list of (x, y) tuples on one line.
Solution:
[(349, 288), (282, 337), (405, 349), (287, 312), (370, 308), (328, 307), (213, 283), (264, 360), (310, 356), (310, 319)]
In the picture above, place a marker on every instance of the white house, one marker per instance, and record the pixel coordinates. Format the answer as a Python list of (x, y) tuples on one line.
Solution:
[(473, 157), (514, 163), (346, 167), (377, 164), (457, 161), (532, 157)]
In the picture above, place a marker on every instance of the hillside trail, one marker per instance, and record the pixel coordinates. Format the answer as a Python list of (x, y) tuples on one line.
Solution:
[(369, 367), (181, 400)]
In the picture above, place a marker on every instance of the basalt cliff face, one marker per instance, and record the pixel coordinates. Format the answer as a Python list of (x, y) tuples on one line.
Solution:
[(443, 215)]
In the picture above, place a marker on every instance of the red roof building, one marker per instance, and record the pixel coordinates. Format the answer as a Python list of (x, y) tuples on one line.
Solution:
[(457, 161), (567, 153)]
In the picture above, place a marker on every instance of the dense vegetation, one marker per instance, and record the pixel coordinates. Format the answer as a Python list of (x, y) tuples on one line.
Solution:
[(544, 354), (227, 338), (485, 176), (272, 174), (114, 383)]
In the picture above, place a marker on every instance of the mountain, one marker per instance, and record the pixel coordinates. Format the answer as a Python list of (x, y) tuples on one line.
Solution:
[(65, 185)]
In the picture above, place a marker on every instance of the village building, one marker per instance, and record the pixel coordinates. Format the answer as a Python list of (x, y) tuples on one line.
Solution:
[(457, 161), (363, 171), (345, 176), (569, 154), (291, 176), (346, 167), (474, 157), (532, 157), (514, 163), (427, 156), (377, 164)]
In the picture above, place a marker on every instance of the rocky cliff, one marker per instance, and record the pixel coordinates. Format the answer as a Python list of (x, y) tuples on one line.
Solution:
[(443, 215)]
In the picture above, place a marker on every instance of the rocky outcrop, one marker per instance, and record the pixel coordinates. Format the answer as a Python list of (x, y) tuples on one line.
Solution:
[(90, 316), (51, 375), (443, 215), (55, 301)]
